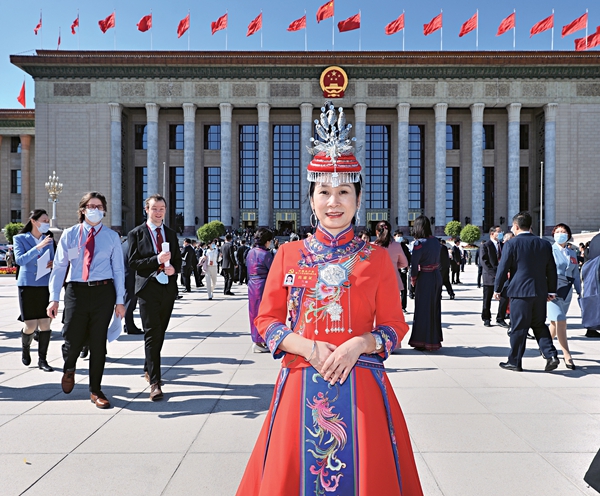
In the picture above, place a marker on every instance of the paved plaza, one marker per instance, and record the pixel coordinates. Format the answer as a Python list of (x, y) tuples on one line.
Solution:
[(477, 430)]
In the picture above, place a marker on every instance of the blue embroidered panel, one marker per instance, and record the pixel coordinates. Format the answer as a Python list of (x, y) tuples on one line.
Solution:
[(275, 334)]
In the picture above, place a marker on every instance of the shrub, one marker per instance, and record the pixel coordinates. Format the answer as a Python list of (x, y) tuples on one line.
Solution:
[(453, 229), (10, 230), (210, 231), (470, 234)]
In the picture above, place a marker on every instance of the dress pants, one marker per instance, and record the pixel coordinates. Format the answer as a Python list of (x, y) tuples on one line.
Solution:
[(243, 274), (197, 276), (486, 311), (228, 275), (211, 279), (186, 278), (455, 272), (87, 314), (479, 274), (446, 282), (502, 307), (528, 313), (130, 300), (156, 306)]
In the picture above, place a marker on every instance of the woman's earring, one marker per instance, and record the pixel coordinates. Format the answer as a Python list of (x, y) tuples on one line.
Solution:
[(357, 216), (314, 223)]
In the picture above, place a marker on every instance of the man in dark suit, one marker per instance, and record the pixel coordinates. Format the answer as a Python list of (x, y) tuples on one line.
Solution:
[(189, 261), (455, 262), (228, 264), (491, 253), (399, 238), (129, 326), (533, 277), (240, 256), (478, 263), (155, 283), (445, 269)]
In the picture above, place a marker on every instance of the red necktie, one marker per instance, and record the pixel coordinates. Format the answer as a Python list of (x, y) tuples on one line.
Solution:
[(88, 254), (159, 242)]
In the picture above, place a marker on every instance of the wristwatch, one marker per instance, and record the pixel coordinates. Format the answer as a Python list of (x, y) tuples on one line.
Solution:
[(378, 343)]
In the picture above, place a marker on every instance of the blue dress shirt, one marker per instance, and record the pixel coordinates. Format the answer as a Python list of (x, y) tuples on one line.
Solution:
[(26, 257), (107, 262)]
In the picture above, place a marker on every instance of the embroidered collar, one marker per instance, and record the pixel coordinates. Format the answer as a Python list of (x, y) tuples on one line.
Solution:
[(328, 239), (323, 247)]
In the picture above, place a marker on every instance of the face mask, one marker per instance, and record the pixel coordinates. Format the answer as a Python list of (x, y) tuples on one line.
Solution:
[(213, 246), (561, 238), (399, 239), (500, 236), (44, 227), (94, 215)]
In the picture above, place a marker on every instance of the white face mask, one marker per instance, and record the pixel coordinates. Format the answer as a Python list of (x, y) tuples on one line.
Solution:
[(44, 227), (94, 215), (561, 238), (399, 239)]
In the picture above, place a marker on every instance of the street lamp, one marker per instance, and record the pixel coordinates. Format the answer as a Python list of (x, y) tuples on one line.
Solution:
[(54, 189)]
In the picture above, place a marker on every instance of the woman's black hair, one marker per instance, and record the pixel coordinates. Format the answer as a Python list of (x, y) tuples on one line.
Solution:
[(35, 215), (262, 235), (422, 227), (384, 233)]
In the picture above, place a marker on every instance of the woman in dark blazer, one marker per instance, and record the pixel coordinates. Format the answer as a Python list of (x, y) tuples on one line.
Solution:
[(30, 244)]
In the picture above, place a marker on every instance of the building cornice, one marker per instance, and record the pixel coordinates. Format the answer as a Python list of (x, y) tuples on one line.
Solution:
[(49, 64)]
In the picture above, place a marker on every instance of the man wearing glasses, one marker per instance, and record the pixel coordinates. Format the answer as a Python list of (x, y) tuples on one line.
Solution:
[(94, 290)]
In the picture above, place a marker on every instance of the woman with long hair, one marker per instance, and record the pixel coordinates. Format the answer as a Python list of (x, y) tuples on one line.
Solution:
[(393, 248), (30, 245), (426, 277), (258, 262)]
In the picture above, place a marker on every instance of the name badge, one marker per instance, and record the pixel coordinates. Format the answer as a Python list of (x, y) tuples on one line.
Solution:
[(301, 277), (72, 253)]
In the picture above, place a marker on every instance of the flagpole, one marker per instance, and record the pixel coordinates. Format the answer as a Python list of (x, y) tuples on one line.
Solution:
[(552, 42), (42, 29), (78, 29), (359, 33), (403, 29), (333, 33), (151, 30), (188, 30), (477, 31), (261, 30), (305, 35), (515, 30), (115, 34), (586, 26), (226, 28), (442, 32), (58, 45)]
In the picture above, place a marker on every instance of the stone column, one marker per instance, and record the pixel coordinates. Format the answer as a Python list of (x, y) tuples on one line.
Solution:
[(189, 169), (226, 191), (550, 168), (477, 164), (25, 176), (360, 132), (152, 151), (441, 110), (305, 157), (116, 176), (514, 160), (403, 111), (265, 178)]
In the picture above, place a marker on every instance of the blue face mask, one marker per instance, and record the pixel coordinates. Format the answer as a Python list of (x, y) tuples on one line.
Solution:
[(399, 239), (500, 236), (561, 238)]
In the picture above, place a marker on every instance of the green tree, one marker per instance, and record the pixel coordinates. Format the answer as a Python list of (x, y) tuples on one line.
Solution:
[(453, 229), (210, 231), (470, 234), (10, 230)]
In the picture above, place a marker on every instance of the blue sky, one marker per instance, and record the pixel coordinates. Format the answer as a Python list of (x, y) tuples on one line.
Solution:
[(17, 21)]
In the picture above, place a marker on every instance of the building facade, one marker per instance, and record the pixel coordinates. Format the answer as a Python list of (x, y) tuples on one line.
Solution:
[(468, 136)]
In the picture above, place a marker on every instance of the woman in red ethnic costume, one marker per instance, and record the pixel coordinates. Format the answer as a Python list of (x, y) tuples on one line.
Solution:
[(331, 310)]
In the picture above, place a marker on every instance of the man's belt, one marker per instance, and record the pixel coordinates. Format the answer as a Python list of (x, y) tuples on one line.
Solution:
[(103, 282)]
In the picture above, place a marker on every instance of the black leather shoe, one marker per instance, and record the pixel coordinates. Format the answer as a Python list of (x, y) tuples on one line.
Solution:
[(510, 366), (452, 296), (487, 323), (84, 352), (135, 330), (551, 363), (591, 333), (569, 363), (502, 323)]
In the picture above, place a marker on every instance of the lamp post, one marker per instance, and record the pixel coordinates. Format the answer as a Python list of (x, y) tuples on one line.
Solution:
[(54, 189)]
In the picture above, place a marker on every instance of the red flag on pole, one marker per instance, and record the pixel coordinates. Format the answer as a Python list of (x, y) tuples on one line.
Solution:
[(470, 25), (21, 97), (75, 25), (395, 26), (572, 27), (145, 23), (220, 23), (349, 24), (593, 40), (543, 25), (506, 25), (298, 24), (255, 25), (106, 24), (325, 11), (39, 26), (58, 47), (183, 26), (433, 25)]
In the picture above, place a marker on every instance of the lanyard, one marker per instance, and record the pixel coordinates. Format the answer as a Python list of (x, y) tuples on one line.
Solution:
[(158, 248)]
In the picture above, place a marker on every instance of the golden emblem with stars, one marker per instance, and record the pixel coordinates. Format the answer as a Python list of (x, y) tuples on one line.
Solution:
[(334, 81)]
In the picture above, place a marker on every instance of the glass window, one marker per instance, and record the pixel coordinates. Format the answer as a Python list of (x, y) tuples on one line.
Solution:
[(212, 194), (416, 167), (15, 145), (487, 139), (15, 181), (377, 167), (523, 188), (141, 193), (175, 136), (452, 193), (286, 167), (141, 137), (524, 137), (452, 137), (248, 167), (212, 137), (488, 198), (15, 216), (176, 198)]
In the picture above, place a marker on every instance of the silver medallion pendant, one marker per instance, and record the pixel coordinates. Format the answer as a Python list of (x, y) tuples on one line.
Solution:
[(333, 275)]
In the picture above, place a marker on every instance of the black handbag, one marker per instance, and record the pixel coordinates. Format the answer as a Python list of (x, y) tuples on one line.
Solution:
[(592, 476)]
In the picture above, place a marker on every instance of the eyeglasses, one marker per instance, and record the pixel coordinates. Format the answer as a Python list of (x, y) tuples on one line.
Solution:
[(91, 206)]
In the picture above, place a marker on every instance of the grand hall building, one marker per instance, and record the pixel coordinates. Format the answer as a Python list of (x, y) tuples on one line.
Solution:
[(224, 135)]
